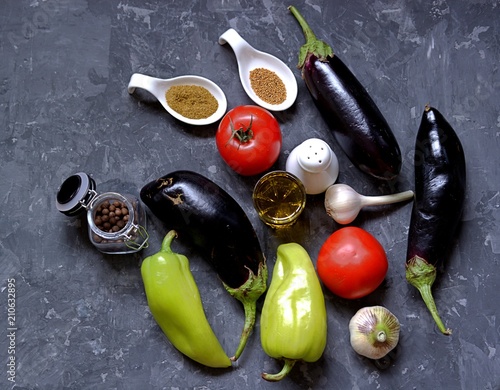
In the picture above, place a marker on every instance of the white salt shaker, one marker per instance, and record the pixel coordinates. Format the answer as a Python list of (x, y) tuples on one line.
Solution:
[(315, 164)]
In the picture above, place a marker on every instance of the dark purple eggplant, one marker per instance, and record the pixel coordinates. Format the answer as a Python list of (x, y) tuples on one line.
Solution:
[(440, 181), (356, 122), (208, 218)]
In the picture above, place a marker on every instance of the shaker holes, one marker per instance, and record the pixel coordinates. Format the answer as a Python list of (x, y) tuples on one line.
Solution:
[(315, 153)]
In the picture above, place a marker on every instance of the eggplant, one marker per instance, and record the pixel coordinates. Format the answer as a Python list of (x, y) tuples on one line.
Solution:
[(208, 218), (357, 124), (440, 183)]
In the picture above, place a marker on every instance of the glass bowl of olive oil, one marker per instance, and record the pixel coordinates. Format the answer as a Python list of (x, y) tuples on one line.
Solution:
[(279, 197)]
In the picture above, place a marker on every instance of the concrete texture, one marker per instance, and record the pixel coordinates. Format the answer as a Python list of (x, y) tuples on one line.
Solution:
[(81, 317)]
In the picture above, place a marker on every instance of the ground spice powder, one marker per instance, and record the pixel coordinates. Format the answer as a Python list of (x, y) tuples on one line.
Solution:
[(191, 101), (267, 85)]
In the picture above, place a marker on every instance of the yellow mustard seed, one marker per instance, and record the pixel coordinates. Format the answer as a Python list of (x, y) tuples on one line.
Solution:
[(268, 85)]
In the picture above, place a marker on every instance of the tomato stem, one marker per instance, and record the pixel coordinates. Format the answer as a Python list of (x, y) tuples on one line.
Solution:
[(243, 134)]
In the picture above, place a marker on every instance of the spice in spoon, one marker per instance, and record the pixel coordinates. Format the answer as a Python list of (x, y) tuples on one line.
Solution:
[(268, 86), (191, 101)]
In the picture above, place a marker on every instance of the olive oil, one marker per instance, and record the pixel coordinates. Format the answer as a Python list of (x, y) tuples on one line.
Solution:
[(279, 198)]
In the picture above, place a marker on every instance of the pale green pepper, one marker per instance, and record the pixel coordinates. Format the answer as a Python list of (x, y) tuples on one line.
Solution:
[(175, 303), (293, 324)]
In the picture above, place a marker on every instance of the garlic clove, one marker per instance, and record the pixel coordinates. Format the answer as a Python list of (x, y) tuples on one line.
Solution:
[(374, 332)]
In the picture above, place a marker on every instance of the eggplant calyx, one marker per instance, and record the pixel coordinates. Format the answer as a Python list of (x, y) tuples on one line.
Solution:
[(243, 134), (313, 45), (289, 363), (248, 294), (421, 274)]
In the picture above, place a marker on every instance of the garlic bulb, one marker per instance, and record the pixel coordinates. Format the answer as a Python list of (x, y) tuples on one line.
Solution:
[(374, 332), (343, 203)]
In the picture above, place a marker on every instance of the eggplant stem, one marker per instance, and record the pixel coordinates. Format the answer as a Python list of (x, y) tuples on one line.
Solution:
[(248, 294), (287, 367), (308, 32), (422, 275), (250, 309), (313, 45)]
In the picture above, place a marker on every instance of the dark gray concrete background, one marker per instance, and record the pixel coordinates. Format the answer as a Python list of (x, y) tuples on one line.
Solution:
[(82, 318)]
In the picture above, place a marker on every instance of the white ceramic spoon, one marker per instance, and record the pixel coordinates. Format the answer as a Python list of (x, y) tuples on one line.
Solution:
[(249, 58), (158, 88)]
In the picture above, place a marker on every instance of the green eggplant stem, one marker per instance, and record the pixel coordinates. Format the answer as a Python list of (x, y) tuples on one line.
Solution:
[(287, 367), (422, 275), (248, 294), (250, 314), (313, 45)]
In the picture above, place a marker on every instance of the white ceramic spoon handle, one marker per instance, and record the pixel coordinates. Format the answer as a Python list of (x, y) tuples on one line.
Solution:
[(141, 81), (235, 40)]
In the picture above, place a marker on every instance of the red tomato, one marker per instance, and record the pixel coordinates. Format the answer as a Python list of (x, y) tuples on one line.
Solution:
[(249, 139), (352, 263)]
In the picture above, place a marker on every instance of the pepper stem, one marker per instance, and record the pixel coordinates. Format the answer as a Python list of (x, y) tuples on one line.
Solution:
[(289, 363), (422, 275), (313, 45), (248, 294), (167, 241)]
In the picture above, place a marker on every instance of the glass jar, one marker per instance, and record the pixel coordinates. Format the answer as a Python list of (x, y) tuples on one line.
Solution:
[(116, 222)]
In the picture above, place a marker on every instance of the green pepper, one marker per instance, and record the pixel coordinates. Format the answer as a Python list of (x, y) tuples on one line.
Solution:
[(293, 320), (176, 305)]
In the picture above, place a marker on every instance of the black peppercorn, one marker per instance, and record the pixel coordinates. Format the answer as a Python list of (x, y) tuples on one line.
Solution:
[(111, 216)]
